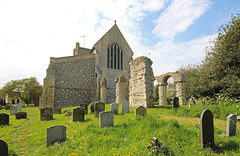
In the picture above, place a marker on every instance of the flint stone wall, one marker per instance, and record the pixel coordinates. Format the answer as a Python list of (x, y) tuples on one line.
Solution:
[(141, 82), (70, 81)]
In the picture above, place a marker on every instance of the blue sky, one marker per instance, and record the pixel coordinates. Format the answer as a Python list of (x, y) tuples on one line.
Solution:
[(170, 32)]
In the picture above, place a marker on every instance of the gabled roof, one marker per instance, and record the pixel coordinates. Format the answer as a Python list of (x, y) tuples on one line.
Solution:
[(113, 27)]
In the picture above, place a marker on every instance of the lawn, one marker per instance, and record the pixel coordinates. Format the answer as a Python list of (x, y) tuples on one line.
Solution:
[(179, 134)]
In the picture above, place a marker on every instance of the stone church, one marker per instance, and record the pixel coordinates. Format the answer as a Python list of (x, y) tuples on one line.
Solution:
[(75, 80)]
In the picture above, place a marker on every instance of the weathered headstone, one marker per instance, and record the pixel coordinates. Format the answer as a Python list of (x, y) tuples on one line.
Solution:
[(68, 113), (46, 114), (78, 114), (56, 133), (21, 115), (125, 106), (31, 105), (114, 108), (85, 107), (141, 111), (207, 129), (98, 107), (13, 110), (3, 147), (106, 119), (7, 107), (4, 119), (19, 107), (175, 102), (57, 110), (231, 125)]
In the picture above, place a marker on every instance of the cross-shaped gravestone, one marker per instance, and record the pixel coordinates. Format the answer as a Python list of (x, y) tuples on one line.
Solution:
[(207, 129)]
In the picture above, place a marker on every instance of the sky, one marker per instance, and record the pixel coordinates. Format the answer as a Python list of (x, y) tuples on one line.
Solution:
[(172, 33)]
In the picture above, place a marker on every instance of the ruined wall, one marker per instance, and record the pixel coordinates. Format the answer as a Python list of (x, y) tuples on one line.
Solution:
[(141, 82), (121, 89), (74, 81)]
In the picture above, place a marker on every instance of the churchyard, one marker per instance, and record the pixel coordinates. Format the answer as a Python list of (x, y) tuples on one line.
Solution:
[(178, 129)]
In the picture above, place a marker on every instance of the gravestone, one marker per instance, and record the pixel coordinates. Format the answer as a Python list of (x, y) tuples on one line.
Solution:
[(46, 114), (141, 111), (57, 110), (56, 133), (78, 114), (7, 107), (13, 110), (98, 107), (85, 107), (3, 147), (207, 129), (231, 125), (175, 102), (4, 119), (31, 105), (114, 108), (106, 119), (68, 113), (21, 115), (19, 107), (125, 106)]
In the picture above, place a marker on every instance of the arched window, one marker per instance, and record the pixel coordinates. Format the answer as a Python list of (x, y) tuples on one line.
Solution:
[(114, 57)]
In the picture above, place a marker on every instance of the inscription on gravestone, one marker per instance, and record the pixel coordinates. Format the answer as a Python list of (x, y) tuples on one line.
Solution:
[(125, 106), (207, 129), (141, 111), (175, 102), (78, 114), (114, 108), (106, 119), (231, 125), (4, 119), (3, 147), (56, 133)]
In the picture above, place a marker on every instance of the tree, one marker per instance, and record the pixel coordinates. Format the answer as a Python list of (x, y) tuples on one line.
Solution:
[(219, 72), (25, 89)]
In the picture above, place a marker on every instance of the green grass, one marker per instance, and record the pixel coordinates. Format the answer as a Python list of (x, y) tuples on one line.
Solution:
[(128, 136)]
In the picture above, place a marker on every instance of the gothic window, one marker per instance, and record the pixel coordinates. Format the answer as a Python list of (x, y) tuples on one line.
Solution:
[(114, 57)]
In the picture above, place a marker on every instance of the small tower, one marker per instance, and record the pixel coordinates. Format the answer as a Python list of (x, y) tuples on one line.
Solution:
[(76, 50)]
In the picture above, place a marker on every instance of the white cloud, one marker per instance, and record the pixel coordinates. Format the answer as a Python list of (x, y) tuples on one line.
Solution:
[(179, 16)]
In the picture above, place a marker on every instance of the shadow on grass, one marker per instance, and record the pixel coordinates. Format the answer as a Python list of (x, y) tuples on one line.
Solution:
[(162, 107), (12, 153), (230, 145)]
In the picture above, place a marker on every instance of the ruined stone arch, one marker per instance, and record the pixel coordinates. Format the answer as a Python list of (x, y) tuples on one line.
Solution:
[(179, 80)]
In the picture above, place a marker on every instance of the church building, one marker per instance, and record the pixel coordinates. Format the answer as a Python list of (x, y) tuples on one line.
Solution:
[(75, 80)]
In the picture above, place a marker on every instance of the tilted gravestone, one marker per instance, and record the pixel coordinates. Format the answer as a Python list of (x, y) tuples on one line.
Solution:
[(207, 129), (19, 107), (46, 114), (56, 133), (125, 106), (85, 107), (57, 110), (13, 110), (114, 108), (4, 119), (140, 111), (7, 107), (78, 114), (3, 147), (106, 119), (98, 107), (231, 125), (21, 115), (175, 102)]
